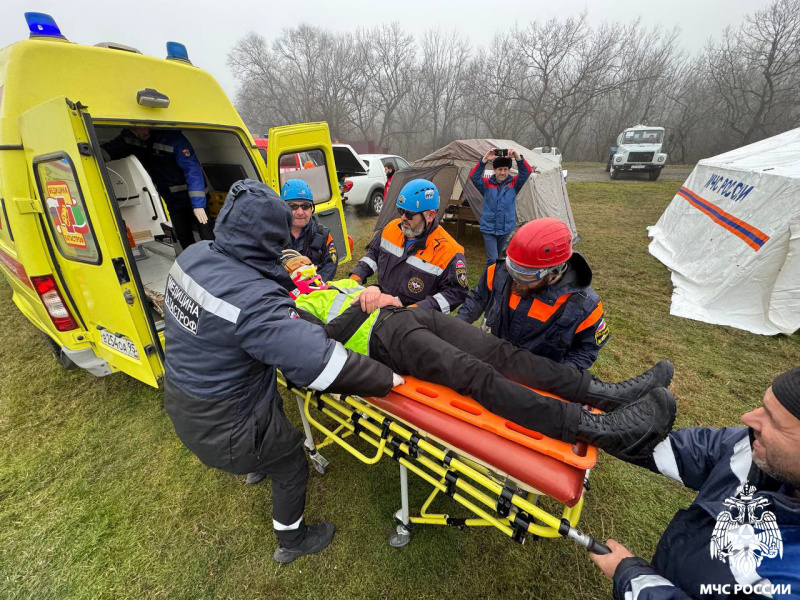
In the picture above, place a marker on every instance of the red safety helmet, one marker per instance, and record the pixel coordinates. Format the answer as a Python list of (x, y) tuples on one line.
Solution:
[(539, 244)]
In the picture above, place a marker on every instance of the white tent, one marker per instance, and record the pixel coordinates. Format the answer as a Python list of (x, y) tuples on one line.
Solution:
[(731, 237)]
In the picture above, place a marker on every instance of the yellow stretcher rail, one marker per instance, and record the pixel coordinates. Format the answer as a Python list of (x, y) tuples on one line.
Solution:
[(468, 483)]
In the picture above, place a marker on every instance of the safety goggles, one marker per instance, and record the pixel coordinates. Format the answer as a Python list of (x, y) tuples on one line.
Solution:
[(409, 214), (522, 274), (293, 206)]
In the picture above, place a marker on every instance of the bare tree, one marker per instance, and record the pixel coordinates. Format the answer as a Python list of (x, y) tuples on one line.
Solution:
[(755, 71)]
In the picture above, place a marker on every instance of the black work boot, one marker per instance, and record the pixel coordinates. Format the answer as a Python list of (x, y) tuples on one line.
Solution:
[(610, 396), (632, 431), (316, 538)]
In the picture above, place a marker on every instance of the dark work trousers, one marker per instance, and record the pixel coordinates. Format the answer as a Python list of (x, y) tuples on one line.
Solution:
[(289, 477), (183, 219), (441, 349)]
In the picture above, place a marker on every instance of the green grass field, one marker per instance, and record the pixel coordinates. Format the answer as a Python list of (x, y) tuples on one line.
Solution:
[(99, 499)]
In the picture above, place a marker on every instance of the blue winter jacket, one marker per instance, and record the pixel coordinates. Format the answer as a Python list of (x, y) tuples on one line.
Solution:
[(716, 463), (230, 325), (499, 212), (171, 162)]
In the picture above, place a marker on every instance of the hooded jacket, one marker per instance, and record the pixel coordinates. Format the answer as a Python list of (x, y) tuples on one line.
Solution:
[(431, 272), (230, 324), (716, 463), (499, 212), (564, 321)]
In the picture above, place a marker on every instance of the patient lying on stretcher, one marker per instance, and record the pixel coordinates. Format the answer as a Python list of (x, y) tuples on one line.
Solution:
[(431, 346)]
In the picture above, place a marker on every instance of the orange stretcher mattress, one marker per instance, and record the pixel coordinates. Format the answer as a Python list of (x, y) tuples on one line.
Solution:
[(466, 409), (548, 475)]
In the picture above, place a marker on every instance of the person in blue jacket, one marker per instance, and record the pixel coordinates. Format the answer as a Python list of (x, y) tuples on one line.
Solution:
[(740, 538), (499, 212), (308, 237), (172, 164)]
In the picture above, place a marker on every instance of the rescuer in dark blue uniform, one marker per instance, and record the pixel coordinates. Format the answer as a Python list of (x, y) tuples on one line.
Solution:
[(740, 538), (538, 297), (172, 164), (230, 324)]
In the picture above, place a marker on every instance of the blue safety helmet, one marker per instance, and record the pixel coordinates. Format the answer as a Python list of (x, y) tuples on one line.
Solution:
[(296, 189), (418, 195)]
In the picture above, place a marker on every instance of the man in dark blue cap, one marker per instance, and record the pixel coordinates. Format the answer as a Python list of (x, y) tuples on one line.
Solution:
[(740, 538)]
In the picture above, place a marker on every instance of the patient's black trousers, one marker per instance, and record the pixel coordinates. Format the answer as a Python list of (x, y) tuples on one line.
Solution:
[(438, 348)]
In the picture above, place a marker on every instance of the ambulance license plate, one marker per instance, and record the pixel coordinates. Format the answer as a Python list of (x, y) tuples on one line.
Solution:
[(120, 344), (637, 166)]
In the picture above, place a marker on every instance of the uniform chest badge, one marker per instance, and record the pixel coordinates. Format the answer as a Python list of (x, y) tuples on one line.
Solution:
[(415, 285)]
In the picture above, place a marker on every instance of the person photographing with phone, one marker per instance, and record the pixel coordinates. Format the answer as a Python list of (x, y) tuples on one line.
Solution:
[(499, 213)]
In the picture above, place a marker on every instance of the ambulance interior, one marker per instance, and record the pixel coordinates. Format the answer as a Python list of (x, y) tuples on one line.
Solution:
[(224, 160)]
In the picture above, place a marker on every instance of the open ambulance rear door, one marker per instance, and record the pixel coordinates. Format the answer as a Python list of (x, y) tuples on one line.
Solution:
[(313, 142), (81, 227)]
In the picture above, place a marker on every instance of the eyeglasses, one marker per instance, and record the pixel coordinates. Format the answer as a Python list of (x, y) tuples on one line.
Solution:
[(293, 206), (522, 274), (408, 214)]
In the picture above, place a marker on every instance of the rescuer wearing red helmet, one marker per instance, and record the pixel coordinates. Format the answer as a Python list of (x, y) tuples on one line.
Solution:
[(538, 297)]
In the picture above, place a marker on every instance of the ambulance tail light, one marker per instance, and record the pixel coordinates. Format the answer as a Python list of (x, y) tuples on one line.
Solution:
[(42, 25), (48, 292)]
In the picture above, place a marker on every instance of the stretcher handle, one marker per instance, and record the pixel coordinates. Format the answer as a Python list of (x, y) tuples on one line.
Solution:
[(596, 547), (587, 541)]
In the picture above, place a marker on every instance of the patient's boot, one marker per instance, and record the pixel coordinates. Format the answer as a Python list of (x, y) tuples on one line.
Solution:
[(632, 431), (314, 538), (610, 396)]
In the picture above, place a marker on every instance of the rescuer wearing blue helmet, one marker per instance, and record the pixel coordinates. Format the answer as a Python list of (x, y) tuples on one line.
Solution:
[(415, 259), (309, 238)]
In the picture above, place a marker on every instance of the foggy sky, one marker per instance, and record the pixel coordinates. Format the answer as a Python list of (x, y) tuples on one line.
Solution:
[(209, 28)]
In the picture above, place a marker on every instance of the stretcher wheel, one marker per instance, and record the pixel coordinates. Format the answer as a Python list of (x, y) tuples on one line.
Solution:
[(400, 537)]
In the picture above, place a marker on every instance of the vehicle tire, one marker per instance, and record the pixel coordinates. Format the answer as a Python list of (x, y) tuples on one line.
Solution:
[(653, 175), (614, 173), (608, 165), (375, 203), (60, 357)]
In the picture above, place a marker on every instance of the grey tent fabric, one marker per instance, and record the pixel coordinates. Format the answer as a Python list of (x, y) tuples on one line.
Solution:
[(545, 194)]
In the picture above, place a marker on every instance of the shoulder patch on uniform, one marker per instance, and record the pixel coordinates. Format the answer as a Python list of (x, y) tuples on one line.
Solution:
[(602, 332), (187, 153), (293, 314), (461, 276), (332, 251), (183, 308)]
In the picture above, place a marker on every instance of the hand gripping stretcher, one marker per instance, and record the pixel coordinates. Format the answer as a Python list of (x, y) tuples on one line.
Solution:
[(497, 469)]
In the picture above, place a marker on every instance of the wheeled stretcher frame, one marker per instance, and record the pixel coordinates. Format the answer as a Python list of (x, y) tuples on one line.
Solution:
[(498, 501)]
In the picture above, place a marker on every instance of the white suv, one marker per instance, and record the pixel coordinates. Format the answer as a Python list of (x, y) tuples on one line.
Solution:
[(367, 190)]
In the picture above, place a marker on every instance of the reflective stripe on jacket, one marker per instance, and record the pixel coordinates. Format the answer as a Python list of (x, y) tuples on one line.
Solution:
[(431, 273), (715, 463), (328, 304), (574, 337)]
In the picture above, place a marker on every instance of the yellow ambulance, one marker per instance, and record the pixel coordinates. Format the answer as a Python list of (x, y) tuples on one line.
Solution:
[(82, 239)]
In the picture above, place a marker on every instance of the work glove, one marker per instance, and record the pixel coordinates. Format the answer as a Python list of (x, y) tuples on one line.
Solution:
[(293, 260)]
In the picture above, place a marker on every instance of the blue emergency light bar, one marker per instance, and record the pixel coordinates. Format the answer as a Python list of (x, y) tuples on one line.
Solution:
[(177, 51), (42, 25)]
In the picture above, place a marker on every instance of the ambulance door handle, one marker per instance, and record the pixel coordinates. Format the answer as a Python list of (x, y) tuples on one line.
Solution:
[(152, 204)]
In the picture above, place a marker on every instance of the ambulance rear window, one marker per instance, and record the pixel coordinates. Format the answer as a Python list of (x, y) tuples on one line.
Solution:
[(66, 211)]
